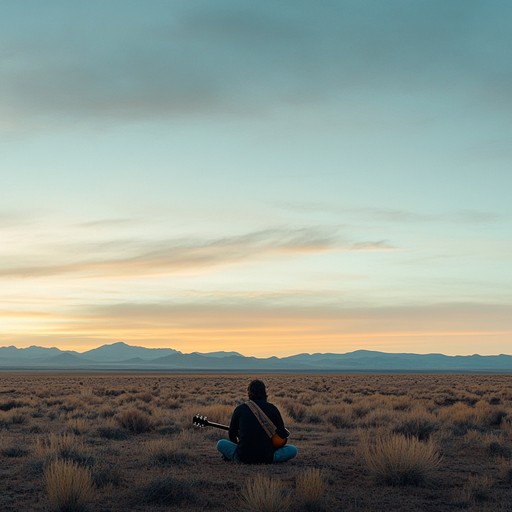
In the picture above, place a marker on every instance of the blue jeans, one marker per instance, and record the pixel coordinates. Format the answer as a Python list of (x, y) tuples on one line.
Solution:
[(228, 449)]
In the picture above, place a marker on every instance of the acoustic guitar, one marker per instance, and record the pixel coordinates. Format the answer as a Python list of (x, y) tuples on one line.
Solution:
[(203, 421)]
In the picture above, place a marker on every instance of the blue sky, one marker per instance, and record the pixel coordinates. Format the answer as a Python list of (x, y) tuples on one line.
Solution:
[(267, 177)]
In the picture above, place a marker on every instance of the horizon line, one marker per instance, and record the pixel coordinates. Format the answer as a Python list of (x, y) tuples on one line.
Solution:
[(256, 357)]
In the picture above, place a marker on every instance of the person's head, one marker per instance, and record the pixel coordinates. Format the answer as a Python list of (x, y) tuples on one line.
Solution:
[(257, 390)]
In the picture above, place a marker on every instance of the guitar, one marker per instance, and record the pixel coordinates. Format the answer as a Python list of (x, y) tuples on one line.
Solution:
[(203, 421)]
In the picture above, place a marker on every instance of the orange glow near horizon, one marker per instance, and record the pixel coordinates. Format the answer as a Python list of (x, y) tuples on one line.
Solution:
[(262, 341), (262, 331)]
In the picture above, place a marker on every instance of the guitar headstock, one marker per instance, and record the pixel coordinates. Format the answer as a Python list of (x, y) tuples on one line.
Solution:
[(200, 421)]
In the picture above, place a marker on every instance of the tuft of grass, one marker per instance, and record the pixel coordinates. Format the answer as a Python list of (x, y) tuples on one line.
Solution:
[(107, 474), (295, 410), (77, 426), (311, 487), (339, 416), (68, 485), (488, 415), (417, 424), (135, 421), (166, 452), (506, 426), (14, 451), (499, 449), (399, 460), (264, 494), (63, 446), (11, 417), (11, 404), (476, 490), (110, 432), (460, 417), (165, 490), (505, 466)]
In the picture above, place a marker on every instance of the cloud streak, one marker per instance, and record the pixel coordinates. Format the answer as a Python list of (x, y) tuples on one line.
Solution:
[(139, 258), (395, 215)]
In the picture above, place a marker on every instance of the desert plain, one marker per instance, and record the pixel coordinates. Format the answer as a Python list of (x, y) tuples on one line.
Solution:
[(112, 442)]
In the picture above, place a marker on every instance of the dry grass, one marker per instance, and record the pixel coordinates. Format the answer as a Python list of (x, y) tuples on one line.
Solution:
[(12, 448), (135, 421), (264, 494), (475, 491), (69, 486), (400, 460), (167, 452), (54, 444), (78, 426), (505, 465), (133, 432), (418, 424), (311, 487), (506, 426), (63, 446), (167, 491)]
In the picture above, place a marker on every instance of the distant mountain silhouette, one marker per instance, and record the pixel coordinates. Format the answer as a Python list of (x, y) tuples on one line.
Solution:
[(120, 351), (122, 356)]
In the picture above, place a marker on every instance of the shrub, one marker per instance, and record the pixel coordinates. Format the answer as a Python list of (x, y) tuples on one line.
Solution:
[(12, 417), (340, 420), (477, 489), (505, 466), (399, 460), (499, 449), (295, 410), (263, 494), (11, 404), (69, 486), (311, 487), (107, 475), (18, 418), (77, 426), (145, 397), (340, 441), (136, 421), (166, 451), (165, 491), (360, 411), (109, 432), (417, 425), (402, 404), (488, 415), (63, 446), (461, 417), (506, 425), (14, 451)]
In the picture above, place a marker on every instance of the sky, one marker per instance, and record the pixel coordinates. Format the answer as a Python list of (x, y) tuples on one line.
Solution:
[(271, 177)]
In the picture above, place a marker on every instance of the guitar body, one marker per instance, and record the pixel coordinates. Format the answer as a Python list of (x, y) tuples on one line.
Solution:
[(278, 441), (202, 421)]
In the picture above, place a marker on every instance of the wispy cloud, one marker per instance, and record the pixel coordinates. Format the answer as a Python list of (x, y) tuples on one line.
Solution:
[(393, 215), (138, 257), (107, 223)]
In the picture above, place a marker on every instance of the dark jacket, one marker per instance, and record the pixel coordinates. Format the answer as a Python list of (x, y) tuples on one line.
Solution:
[(254, 445)]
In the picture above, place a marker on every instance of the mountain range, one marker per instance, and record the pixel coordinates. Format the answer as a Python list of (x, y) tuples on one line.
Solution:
[(120, 356)]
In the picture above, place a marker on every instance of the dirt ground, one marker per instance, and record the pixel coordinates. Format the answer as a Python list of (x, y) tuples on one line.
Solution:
[(134, 431)]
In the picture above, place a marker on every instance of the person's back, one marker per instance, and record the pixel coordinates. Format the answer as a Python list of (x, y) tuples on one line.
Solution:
[(249, 442)]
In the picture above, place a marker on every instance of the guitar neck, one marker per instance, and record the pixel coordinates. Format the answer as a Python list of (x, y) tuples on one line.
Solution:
[(217, 425)]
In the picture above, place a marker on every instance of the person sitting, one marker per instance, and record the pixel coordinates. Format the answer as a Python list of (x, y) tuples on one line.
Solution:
[(248, 441)]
